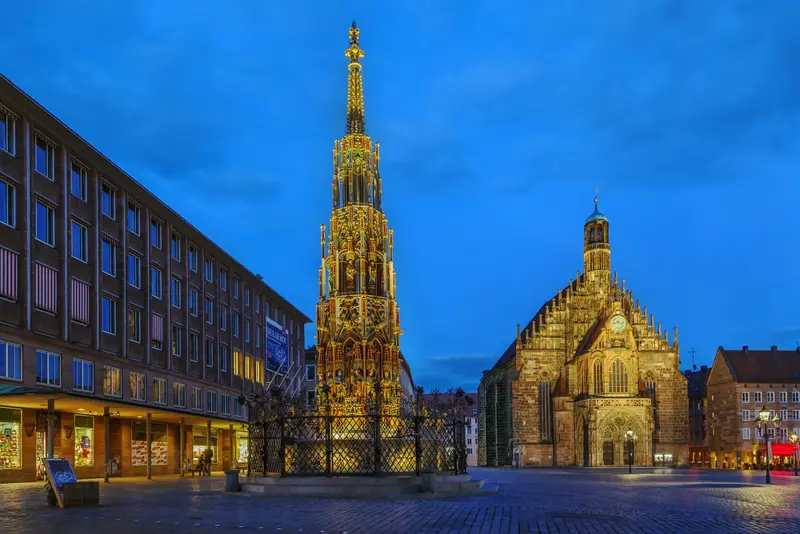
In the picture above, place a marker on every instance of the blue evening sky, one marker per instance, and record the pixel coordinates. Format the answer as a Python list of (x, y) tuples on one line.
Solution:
[(497, 121)]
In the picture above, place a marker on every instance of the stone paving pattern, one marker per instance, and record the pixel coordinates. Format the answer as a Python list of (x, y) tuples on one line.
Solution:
[(529, 500)]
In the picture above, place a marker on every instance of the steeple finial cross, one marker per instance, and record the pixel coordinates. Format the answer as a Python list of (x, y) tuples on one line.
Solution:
[(354, 52)]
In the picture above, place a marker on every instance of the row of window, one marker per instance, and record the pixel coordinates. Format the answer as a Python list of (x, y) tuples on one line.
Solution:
[(784, 415), (784, 433), (782, 395)]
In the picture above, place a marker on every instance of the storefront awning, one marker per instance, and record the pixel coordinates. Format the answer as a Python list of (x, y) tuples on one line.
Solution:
[(781, 449)]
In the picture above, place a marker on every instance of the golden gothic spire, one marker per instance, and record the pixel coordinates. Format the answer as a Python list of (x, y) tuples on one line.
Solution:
[(355, 90)]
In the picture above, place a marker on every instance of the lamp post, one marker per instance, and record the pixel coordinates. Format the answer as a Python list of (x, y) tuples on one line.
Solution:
[(762, 422), (630, 438), (793, 438)]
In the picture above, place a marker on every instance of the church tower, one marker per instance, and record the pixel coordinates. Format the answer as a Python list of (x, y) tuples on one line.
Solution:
[(358, 320), (597, 251)]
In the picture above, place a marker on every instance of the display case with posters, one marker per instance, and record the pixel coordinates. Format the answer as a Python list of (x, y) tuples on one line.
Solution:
[(10, 438), (159, 449), (242, 448), (84, 441)]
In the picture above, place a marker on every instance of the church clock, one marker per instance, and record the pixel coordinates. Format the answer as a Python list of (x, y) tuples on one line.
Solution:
[(618, 323)]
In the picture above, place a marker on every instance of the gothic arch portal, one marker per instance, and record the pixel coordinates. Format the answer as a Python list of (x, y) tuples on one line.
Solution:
[(609, 441)]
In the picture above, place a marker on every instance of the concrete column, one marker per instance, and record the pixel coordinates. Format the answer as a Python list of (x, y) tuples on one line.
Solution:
[(107, 440), (182, 441), (51, 416), (232, 441), (208, 428), (149, 446)]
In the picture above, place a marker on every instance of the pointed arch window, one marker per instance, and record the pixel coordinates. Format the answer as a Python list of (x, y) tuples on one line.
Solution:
[(619, 377), (598, 377)]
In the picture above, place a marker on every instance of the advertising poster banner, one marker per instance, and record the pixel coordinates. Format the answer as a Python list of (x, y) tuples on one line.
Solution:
[(277, 348)]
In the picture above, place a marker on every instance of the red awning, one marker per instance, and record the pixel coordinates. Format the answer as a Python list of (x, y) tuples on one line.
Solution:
[(781, 449)]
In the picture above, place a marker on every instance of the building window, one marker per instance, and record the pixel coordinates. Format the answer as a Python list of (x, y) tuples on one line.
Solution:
[(784, 396), (257, 303), (310, 397), (619, 377), (48, 368), (79, 181), (209, 270), (193, 258), (226, 404), (45, 224), (134, 219), (756, 397), (745, 397), (157, 331), (134, 271), (770, 397), (176, 293), (795, 416), (258, 336), (80, 242), (598, 377), (82, 375), (771, 432), (237, 409), (112, 381), (177, 334), (135, 324), (246, 295), (223, 357), (260, 371), (138, 390), (235, 287), (193, 302), (7, 204), (109, 315), (795, 396), (8, 133), (237, 362), (545, 421), (108, 197), (45, 162), (784, 434), (745, 415), (211, 401), (160, 390), (784, 415), (10, 361), (176, 247), (179, 395), (155, 234), (223, 318), (248, 370), (771, 415), (209, 352), (236, 324), (197, 399), (209, 310), (109, 255), (194, 347), (155, 282), (247, 330), (311, 373), (223, 279)]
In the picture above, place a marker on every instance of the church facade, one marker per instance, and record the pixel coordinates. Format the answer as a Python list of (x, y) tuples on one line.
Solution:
[(588, 376)]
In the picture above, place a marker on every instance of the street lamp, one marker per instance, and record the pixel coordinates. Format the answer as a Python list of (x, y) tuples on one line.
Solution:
[(762, 422), (793, 438), (630, 438)]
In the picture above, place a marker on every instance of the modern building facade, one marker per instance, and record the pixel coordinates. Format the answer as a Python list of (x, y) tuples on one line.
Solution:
[(126, 335), (588, 368), (358, 319), (698, 442), (740, 384)]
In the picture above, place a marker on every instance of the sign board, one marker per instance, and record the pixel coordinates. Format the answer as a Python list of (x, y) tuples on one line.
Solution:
[(59, 472), (277, 348)]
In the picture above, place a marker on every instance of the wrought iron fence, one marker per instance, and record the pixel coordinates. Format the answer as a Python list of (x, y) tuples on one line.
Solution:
[(286, 442)]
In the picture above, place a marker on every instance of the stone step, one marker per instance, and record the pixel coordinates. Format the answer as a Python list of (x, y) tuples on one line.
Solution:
[(329, 491), (457, 486), (351, 481)]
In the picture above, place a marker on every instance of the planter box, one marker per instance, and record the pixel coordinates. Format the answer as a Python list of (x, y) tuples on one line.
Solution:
[(81, 494)]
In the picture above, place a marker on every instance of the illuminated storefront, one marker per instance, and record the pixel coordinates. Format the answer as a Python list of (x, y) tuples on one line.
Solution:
[(10, 438), (84, 441), (242, 447), (200, 443)]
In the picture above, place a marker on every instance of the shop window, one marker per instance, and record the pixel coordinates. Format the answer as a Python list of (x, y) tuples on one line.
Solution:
[(200, 442), (242, 447), (10, 360), (159, 452), (10, 439), (84, 441)]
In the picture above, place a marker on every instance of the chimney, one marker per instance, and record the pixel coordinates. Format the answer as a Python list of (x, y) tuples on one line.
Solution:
[(745, 348), (774, 349), (703, 367)]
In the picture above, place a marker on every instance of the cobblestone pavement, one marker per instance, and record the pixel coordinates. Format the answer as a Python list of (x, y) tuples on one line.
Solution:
[(542, 500)]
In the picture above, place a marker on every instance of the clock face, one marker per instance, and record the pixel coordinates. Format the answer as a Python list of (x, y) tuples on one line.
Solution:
[(618, 323)]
